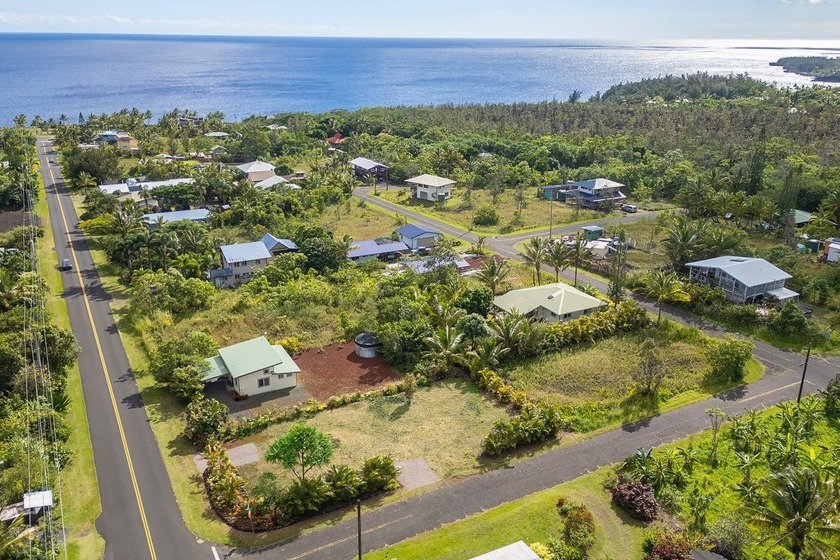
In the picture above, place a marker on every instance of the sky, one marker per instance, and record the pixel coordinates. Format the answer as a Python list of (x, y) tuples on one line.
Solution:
[(638, 20)]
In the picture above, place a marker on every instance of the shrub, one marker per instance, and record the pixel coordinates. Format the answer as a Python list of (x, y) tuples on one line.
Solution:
[(670, 546), (536, 422), (832, 397), (292, 344), (728, 358), (305, 496), (378, 474), (728, 537), (205, 420), (486, 215), (579, 528), (344, 483), (637, 499), (789, 320)]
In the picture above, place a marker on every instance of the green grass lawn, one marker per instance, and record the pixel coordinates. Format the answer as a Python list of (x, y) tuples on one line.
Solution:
[(533, 518), (359, 220), (594, 383), (79, 482), (535, 213), (444, 424)]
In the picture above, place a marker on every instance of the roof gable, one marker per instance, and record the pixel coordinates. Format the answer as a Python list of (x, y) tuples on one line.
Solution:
[(255, 166), (427, 180), (240, 252), (412, 231)]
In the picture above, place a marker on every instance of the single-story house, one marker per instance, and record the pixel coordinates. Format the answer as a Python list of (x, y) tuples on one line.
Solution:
[(199, 215), (591, 233), (218, 151), (550, 302), (417, 236), (239, 263), (743, 279), (137, 190), (335, 139), (430, 187), (427, 265), (217, 134), (270, 182), (516, 551), (253, 367), (364, 169), (380, 248), (257, 171), (277, 246), (801, 217)]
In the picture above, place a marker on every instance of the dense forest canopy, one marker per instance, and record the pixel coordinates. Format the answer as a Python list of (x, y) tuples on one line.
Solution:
[(820, 67)]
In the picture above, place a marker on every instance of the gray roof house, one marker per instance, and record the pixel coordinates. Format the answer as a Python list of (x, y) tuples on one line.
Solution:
[(199, 215), (549, 302), (743, 279), (417, 236), (277, 246), (253, 367), (239, 263), (381, 248)]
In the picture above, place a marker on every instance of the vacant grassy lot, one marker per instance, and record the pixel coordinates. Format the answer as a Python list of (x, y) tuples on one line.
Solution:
[(444, 424), (532, 519), (358, 220), (535, 211), (594, 383)]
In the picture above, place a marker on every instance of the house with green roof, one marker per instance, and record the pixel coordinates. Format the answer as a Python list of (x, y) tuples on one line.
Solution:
[(253, 367), (549, 303)]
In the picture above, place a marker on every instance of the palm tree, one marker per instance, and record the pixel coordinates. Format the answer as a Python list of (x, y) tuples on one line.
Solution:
[(442, 310), (11, 534), (493, 273), (445, 345), (724, 241), (560, 256), (534, 254), (663, 287), (832, 204), (683, 239), (128, 219), (85, 180), (580, 254), (800, 513), (485, 354), (510, 329), (8, 288)]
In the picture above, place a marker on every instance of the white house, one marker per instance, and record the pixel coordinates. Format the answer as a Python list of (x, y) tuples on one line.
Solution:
[(431, 187), (257, 171), (549, 303), (381, 248), (253, 367), (270, 182), (417, 236), (199, 216), (239, 263), (743, 279)]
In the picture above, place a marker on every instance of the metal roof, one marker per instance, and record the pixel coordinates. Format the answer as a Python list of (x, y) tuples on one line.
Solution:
[(558, 298), (412, 231), (248, 357), (270, 182), (271, 242), (596, 184), (372, 247), (782, 294), (746, 270), (39, 499), (516, 551), (220, 273), (217, 134), (255, 166), (240, 252), (198, 214), (430, 181), (421, 267), (366, 164)]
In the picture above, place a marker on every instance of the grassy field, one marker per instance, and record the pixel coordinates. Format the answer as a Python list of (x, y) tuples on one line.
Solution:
[(359, 220), (535, 213), (80, 486), (532, 519), (594, 383)]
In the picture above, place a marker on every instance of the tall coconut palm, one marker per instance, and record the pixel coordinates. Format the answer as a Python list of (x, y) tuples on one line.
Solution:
[(510, 329), (800, 513), (580, 254), (723, 241), (663, 287), (445, 345), (683, 240), (559, 256), (128, 219), (493, 274), (534, 255)]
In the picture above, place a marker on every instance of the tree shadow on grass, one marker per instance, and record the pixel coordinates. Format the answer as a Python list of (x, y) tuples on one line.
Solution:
[(638, 412)]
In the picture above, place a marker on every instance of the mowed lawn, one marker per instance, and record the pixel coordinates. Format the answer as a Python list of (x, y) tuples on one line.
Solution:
[(444, 424), (359, 221), (535, 213), (532, 519)]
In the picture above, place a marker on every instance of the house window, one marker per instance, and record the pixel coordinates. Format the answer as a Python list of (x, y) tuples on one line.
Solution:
[(566, 315), (266, 371), (263, 382)]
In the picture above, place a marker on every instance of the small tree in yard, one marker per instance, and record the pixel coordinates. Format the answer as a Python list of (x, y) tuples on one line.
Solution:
[(205, 420), (832, 397), (664, 287), (303, 448), (651, 372), (409, 387), (728, 358), (717, 417)]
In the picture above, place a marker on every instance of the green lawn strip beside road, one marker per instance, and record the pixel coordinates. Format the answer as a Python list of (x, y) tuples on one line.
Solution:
[(532, 519), (80, 489)]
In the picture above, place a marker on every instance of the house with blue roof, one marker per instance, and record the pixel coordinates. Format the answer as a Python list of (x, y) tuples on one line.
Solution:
[(277, 246), (743, 279), (239, 263), (416, 236), (381, 248), (200, 216)]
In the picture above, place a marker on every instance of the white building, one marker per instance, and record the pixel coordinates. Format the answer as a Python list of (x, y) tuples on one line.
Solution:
[(253, 367), (431, 187), (743, 279), (257, 171), (417, 237), (550, 303), (239, 263)]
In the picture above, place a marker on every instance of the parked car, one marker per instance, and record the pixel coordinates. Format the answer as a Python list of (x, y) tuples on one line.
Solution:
[(629, 208), (65, 265)]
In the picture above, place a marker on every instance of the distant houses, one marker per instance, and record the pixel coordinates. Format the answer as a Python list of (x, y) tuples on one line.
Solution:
[(366, 169), (121, 140), (431, 187), (743, 279), (550, 303), (417, 237), (595, 194), (141, 191), (253, 367), (381, 248), (199, 216)]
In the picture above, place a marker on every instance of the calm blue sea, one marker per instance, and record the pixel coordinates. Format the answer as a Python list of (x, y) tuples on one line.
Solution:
[(49, 74)]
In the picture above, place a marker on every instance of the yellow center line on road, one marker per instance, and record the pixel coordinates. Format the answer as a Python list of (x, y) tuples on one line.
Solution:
[(365, 532), (104, 366), (777, 389)]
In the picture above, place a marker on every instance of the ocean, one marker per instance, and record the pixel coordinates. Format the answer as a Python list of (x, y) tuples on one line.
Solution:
[(51, 74)]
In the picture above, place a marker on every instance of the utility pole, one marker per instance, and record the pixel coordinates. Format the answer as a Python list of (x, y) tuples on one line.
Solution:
[(550, 214), (804, 368), (359, 524)]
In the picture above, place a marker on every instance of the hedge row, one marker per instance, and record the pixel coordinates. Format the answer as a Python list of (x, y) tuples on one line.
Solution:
[(627, 316)]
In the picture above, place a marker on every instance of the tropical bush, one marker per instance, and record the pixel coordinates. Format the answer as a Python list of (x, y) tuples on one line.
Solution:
[(832, 397), (728, 358), (627, 316), (379, 474), (669, 546), (637, 499), (486, 215), (579, 528), (535, 423), (206, 420)]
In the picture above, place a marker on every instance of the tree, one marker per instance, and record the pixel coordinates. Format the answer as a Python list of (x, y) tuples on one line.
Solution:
[(445, 346), (323, 254), (683, 240), (800, 513), (663, 287), (618, 269), (486, 215), (728, 358), (493, 273), (205, 420), (580, 254), (534, 255), (409, 386), (559, 256), (650, 373), (303, 448)]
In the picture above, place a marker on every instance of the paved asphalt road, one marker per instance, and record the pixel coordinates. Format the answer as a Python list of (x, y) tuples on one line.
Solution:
[(122, 525), (122, 484)]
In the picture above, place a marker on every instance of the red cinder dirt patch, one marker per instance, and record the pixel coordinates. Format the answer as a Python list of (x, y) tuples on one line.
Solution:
[(338, 370), (11, 220)]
